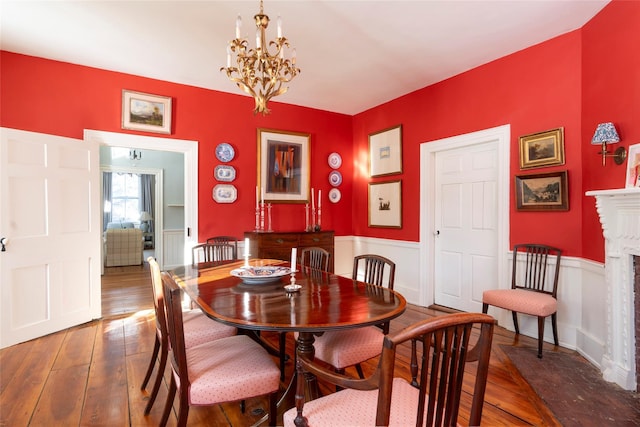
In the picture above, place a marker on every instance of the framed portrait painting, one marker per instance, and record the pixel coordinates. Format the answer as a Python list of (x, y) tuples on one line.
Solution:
[(542, 149), (385, 152), (633, 167), (542, 192), (284, 166), (385, 204), (145, 112)]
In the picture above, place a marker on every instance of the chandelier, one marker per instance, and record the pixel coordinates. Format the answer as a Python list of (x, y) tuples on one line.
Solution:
[(258, 72)]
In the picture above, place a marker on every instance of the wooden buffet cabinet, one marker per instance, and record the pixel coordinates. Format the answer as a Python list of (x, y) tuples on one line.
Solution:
[(278, 245)]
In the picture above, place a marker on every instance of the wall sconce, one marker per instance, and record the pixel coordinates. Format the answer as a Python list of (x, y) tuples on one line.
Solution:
[(606, 133), (135, 155)]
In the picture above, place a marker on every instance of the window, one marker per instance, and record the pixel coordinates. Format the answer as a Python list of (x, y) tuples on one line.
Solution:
[(125, 197)]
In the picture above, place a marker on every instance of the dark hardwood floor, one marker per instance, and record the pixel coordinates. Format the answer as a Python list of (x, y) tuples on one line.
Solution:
[(91, 374)]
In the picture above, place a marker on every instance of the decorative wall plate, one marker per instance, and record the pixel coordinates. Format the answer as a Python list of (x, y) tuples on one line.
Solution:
[(224, 173), (335, 178), (335, 161), (334, 195), (225, 152), (225, 193)]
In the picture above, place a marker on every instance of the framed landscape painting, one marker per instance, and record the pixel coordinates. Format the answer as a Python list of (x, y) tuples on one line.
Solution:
[(542, 192), (385, 204), (149, 113), (385, 152), (542, 149), (284, 166)]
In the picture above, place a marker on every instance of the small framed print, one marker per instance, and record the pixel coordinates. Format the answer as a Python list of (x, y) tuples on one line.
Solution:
[(385, 152), (144, 112), (542, 192), (633, 167), (542, 149), (385, 204)]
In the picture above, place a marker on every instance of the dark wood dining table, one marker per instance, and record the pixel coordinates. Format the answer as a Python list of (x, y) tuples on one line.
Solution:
[(324, 302)]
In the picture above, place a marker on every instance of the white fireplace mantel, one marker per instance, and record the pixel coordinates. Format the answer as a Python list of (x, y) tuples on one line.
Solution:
[(619, 212)]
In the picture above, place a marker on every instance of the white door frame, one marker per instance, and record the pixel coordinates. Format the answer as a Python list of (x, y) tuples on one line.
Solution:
[(428, 150), (187, 147)]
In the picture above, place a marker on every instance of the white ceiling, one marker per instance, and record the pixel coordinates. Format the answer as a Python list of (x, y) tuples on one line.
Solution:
[(354, 54)]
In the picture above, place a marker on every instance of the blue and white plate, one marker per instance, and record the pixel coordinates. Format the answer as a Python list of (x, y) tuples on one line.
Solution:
[(225, 193), (335, 178), (260, 275), (225, 152), (335, 161), (334, 195), (224, 173)]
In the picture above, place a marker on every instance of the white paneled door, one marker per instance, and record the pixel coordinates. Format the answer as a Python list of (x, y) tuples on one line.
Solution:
[(465, 224), (50, 267)]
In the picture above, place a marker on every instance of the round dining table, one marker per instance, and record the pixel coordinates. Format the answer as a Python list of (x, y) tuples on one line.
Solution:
[(323, 302)]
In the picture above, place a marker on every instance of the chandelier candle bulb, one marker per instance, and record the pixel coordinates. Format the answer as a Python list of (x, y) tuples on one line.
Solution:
[(238, 25), (279, 27)]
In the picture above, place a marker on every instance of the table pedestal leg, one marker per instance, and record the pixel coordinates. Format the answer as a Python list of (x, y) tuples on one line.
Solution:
[(305, 382)]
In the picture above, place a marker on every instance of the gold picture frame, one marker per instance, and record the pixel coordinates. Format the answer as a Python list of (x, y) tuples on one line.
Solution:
[(542, 149), (145, 112), (385, 152), (284, 166), (385, 204), (542, 192)]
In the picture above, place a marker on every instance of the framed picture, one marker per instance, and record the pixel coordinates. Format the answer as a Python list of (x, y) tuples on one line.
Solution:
[(385, 204), (633, 167), (284, 166), (542, 192), (149, 113), (385, 152), (542, 149)]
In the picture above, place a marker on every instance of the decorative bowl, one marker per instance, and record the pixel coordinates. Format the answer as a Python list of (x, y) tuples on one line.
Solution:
[(260, 275)]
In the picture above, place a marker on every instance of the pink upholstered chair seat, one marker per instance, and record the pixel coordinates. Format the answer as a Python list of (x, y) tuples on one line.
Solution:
[(348, 347), (230, 369), (521, 301), (199, 329), (353, 408)]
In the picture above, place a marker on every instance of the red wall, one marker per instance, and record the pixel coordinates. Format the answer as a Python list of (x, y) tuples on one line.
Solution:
[(574, 81), (610, 93), (64, 99)]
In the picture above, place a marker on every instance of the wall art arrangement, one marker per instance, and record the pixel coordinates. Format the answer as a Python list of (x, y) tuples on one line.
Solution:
[(284, 161), (385, 152), (145, 112), (633, 167), (542, 192), (335, 177), (542, 149), (224, 193), (385, 204)]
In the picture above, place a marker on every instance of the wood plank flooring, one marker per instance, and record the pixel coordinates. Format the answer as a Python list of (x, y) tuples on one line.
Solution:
[(91, 374)]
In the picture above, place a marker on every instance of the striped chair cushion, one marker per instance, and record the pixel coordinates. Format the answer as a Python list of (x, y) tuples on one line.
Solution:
[(199, 329), (348, 347), (230, 369), (521, 301), (358, 408)]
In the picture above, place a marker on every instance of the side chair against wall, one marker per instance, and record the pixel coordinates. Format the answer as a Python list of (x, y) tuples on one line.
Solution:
[(210, 252), (350, 347), (316, 259), (198, 329), (226, 240), (440, 347), (533, 291), (225, 370)]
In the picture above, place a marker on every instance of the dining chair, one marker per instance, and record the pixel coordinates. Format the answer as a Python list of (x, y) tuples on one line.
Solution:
[(198, 329), (226, 240), (225, 370), (211, 252), (350, 347), (317, 259), (440, 348), (533, 291)]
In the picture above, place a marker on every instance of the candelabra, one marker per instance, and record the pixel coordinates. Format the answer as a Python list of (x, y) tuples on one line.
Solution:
[(262, 216), (269, 229), (257, 219)]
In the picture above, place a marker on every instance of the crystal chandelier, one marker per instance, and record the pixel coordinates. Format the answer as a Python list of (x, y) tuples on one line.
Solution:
[(258, 72)]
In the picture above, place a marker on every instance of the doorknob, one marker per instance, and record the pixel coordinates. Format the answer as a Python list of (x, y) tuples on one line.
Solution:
[(3, 241), (436, 233)]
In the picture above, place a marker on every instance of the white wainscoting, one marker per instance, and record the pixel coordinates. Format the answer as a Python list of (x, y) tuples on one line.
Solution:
[(173, 249), (581, 292)]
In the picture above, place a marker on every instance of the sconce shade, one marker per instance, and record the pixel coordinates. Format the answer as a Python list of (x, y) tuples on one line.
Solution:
[(605, 132)]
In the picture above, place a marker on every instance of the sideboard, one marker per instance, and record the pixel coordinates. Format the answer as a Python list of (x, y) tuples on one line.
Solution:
[(278, 245)]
